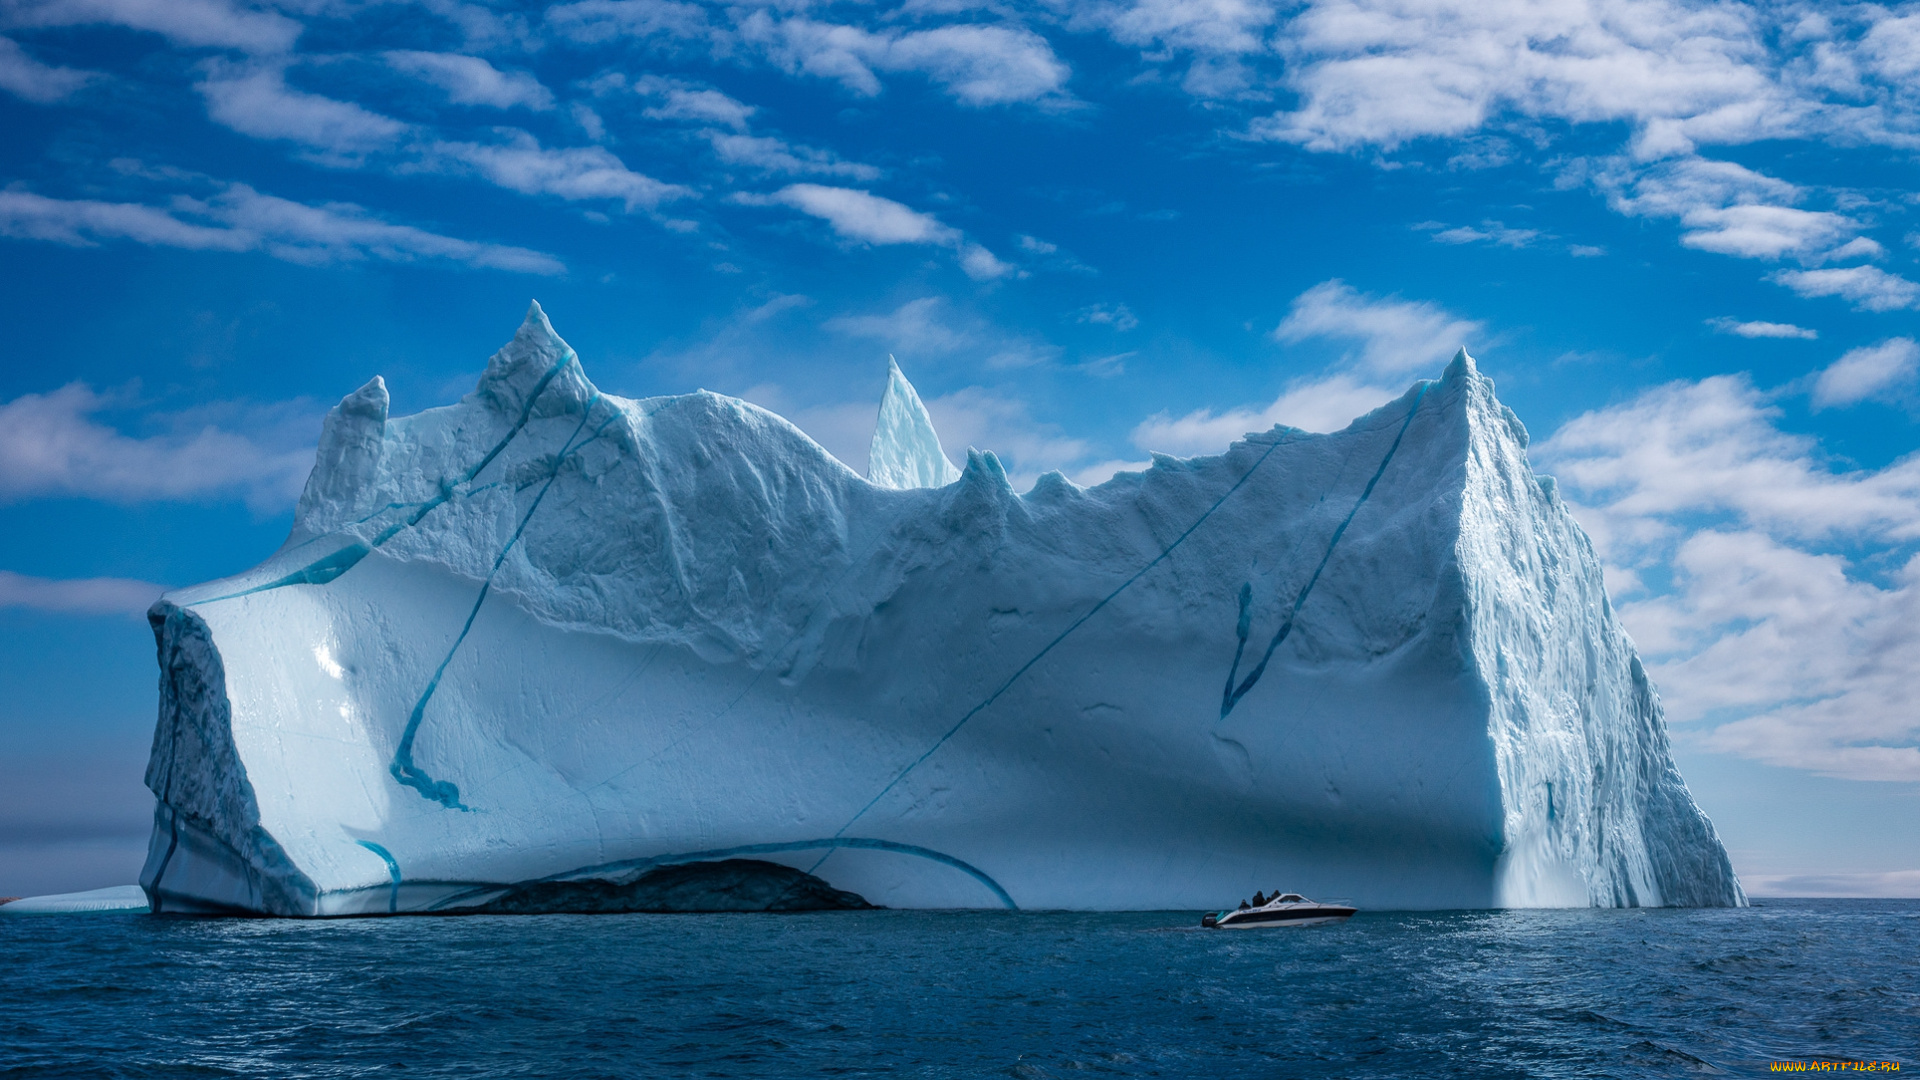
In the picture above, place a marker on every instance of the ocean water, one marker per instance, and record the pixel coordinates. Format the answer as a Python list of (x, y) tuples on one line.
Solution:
[(923, 994)]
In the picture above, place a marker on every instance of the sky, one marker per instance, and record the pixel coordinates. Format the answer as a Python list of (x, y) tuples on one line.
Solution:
[(1683, 238)]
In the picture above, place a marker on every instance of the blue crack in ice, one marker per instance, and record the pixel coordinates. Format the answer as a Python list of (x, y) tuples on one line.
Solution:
[(1062, 636), (403, 769), (393, 868), (328, 567), (1231, 695)]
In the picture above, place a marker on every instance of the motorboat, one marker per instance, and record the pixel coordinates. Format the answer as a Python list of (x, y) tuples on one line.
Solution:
[(1287, 909)]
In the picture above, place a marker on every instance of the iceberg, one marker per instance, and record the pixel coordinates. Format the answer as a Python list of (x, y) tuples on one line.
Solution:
[(113, 900), (552, 649)]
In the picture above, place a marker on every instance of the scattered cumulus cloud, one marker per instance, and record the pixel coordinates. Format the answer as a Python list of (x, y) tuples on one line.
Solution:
[(51, 445), (1491, 232), (1773, 643), (469, 80), (1390, 336), (1761, 329), (772, 155), (520, 163), (1118, 316), (1884, 371), (238, 218), (190, 23), (862, 217), (1868, 287), (78, 596), (978, 64), (1389, 339), (255, 100), (29, 79)]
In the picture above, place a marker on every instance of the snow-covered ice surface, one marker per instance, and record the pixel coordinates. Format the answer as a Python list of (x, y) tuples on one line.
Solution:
[(120, 899), (547, 634)]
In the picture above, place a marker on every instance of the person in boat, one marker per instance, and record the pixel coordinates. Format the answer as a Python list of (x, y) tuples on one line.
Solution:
[(1259, 901), (1243, 905)]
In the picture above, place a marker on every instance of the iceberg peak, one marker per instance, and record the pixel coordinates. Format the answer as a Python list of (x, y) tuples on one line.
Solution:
[(520, 372), (906, 449)]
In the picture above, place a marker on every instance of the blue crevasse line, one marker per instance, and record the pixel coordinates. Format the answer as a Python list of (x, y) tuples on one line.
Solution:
[(393, 868), (1233, 694), (1062, 636), (328, 567), (403, 769)]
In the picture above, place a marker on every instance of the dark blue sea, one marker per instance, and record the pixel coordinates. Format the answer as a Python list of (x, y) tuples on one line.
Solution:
[(918, 994)]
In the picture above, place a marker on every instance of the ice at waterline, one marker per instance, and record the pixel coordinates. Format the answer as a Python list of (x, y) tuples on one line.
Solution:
[(548, 635)]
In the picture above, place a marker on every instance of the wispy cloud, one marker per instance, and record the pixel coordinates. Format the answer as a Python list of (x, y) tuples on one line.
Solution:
[(1884, 371), (470, 80), (254, 99), (239, 218), (863, 217), (1761, 329), (192, 23), (1389, 338), (78, 596), (24, 77), (1489, 232), (772, 155), (51, 445), (978, 64), (521, 164), (1771, 643), (1869, 287)]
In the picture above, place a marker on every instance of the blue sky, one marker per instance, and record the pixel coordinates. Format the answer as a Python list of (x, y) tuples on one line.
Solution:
[(1681, 237)]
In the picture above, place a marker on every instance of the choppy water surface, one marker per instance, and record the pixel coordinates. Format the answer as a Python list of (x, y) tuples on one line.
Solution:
[(1483, 994)]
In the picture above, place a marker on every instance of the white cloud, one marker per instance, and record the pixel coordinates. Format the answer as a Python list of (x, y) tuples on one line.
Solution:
[(50, 445), (978, 64), (983, 265), (1873, 371), (778, 156), (1761, 329), (1325, 404), (1489, 231), (1118, 316), (1393, 336), (78, 596), (1713, 446), (1777, 640), (242, 219), (980, 418), (256, 100), (596, 21), (1869, 287), (865, 217), (1727, 208), (27, 78), (469, 80), (981, 65), (192, 23), (862, 217), (1890, 884), (696, 104), (574, 173), (915, 328)]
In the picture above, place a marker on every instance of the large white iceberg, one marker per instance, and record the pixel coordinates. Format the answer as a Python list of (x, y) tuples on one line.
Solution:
[(553, 649)]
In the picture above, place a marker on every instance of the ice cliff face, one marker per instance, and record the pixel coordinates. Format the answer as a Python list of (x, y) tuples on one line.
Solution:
[(537, 647)]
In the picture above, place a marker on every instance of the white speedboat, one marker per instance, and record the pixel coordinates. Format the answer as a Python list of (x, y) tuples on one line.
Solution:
[(1288, 909)]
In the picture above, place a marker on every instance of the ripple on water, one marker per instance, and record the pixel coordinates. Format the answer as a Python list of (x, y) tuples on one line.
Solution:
[(1482, 994)]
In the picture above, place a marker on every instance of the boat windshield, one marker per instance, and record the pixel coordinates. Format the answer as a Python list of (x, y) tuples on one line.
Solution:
[(1293, 898)]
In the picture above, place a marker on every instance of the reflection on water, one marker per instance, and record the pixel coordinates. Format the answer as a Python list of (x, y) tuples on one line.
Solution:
[(1482, 994)]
